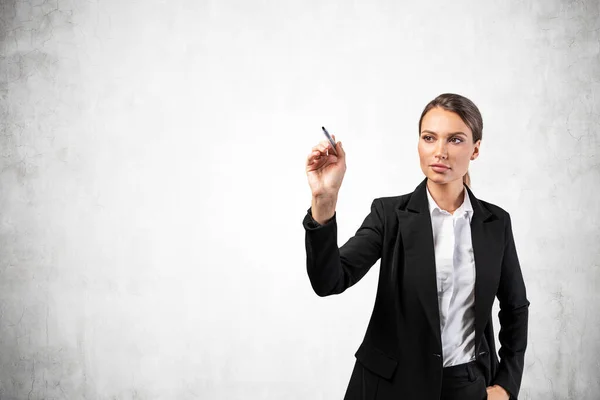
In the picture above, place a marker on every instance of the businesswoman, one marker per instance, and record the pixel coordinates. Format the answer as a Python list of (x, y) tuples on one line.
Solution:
[(445, 255)]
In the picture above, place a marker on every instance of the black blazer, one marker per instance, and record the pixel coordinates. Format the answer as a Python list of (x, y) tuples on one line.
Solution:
[(400, 356)]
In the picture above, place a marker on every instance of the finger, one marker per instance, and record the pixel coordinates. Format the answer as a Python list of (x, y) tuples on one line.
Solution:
[(313, 155), (313, 161), (322, 162), (319, 149), (340, 149), (322, 146), (326, 160), (322, 150), (325, 157)]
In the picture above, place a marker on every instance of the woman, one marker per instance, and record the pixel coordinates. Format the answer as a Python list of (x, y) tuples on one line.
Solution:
[(444, 256)]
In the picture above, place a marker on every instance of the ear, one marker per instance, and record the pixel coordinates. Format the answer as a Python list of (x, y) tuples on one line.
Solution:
[(476, 150)]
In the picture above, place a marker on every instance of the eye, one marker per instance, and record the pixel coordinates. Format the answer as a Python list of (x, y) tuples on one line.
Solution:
[(425, 137), (457, 138)]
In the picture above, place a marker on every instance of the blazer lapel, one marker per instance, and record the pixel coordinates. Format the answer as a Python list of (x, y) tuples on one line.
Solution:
[(414, 223), (487, 237)]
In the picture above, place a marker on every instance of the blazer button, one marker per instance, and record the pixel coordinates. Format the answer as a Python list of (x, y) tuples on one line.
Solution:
[(437, 355)]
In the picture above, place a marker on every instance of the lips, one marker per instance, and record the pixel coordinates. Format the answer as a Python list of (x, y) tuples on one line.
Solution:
[(439, 168)]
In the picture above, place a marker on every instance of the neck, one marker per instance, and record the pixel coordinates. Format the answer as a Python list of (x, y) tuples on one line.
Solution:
[(449, 196)]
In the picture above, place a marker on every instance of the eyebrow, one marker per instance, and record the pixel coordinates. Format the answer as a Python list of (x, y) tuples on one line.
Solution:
[(452, 133)]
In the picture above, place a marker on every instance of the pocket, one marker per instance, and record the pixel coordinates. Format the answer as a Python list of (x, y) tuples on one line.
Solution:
[(481, 381), (485, 396), (370, 383), (376, 361), (483, 369)]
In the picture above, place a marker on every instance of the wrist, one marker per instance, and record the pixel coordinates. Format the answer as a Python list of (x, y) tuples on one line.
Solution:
[(323, 208), (324, 200)]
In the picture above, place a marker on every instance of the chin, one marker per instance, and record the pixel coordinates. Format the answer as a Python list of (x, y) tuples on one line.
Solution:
[(438, 179), (441, 179)]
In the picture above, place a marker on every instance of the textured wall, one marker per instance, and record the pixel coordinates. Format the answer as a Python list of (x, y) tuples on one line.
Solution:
[(152, 184)]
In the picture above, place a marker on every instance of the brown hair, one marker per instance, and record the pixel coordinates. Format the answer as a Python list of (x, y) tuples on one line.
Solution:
[(466, 110)]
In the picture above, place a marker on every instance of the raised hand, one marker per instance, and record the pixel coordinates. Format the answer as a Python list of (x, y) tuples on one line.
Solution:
[(325, 170)]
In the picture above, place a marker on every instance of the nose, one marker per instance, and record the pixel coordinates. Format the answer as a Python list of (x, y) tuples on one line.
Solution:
[(440, 149)]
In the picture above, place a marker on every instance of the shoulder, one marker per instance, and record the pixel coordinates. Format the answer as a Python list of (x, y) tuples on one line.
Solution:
[(495, 209), (392, 202), (388, 204), (498, 213)]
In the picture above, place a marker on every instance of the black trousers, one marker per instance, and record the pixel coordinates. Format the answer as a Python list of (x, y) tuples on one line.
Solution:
[(463, 382)]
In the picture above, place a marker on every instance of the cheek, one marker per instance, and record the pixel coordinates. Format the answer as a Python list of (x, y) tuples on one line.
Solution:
[(462, 156)]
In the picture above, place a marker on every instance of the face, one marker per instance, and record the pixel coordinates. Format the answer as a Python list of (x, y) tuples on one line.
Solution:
[(445, 139)]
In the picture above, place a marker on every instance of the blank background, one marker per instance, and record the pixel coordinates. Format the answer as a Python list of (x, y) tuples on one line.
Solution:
[(152, 184)]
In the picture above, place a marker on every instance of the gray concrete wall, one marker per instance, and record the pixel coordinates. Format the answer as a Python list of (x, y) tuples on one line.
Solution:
[(152, 184)]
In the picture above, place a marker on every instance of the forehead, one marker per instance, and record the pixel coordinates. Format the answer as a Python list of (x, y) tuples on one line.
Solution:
[(442, 122)]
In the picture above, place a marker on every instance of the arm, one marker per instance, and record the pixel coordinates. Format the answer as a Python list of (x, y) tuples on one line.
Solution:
[(513, 316), (332, 270)]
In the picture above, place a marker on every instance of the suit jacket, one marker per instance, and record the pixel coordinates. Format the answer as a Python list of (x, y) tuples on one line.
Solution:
[(400, 356)]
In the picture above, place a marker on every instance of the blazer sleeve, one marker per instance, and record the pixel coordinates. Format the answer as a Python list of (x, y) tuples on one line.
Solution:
[(513, 317), (332, 270)]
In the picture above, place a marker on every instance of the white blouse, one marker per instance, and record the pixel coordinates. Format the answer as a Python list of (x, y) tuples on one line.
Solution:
[(455, 271)]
